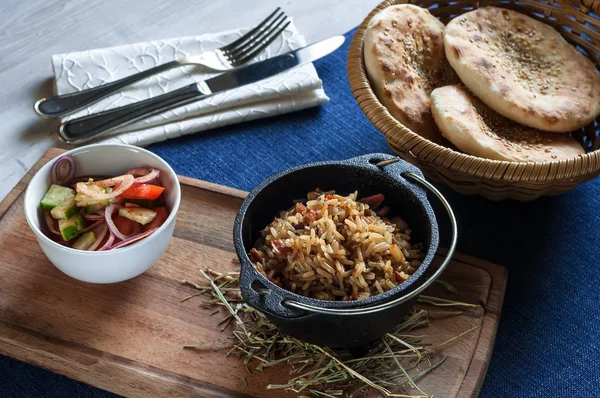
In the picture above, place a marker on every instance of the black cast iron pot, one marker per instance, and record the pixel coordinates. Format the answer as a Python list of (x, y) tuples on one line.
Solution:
[(340, 324)]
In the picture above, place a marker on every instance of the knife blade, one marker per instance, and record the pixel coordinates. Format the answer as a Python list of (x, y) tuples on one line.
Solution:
[(86, 128)]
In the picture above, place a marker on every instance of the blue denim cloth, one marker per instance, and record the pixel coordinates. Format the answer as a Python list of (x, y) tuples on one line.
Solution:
[(548, 339)]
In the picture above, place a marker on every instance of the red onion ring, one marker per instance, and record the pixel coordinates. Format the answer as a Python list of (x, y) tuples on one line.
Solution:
[(109, 241), (111, 182), (126, 181), (138, 171), (93, 217), (148, 178), (110, 209), (102, 230), (94, 225), (133, 239), (50, 222), (63, 170)]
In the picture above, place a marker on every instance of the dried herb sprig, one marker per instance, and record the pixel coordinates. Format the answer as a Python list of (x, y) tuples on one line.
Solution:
[(392, 366)]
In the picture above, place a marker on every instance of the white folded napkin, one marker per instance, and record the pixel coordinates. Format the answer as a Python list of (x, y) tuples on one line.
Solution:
[(297, 89)]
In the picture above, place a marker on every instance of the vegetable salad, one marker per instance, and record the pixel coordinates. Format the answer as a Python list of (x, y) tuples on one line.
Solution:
[(102, 214)]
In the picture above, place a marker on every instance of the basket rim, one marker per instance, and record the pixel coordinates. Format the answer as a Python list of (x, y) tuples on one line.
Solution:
[(428, 152)]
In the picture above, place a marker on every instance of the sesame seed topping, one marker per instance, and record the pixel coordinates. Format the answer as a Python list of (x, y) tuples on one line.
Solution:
[(513, 136)]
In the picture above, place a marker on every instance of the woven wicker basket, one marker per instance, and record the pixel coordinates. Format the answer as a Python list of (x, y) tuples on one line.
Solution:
[(493, 179)]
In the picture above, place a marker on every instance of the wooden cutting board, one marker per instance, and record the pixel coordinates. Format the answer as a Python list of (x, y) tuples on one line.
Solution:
[(128, 337)]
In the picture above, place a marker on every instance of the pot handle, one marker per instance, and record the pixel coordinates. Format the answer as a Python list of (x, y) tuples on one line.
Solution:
[(381, 307), (256, 293)]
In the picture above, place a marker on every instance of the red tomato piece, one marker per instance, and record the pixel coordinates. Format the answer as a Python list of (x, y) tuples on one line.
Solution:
[(124, 225), (161, 216), (373, 201), (142, 191), (279, 246), (399, 276), (312, 215)]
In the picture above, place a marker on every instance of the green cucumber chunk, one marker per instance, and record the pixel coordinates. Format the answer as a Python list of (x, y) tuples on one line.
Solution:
[(71, 227), (138, 214), (84, 241), (65, 209), (55, 195), (91, 209), (148, 204)]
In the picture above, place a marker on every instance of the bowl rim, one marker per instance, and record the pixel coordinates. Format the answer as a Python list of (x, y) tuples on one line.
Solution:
[(65, 249), (404, 287), (430, 153)]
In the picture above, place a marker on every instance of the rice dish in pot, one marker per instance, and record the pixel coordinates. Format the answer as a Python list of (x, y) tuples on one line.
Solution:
[(334, 247)]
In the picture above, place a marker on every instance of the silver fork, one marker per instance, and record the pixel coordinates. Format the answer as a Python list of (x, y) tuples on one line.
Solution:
[(222, 59)]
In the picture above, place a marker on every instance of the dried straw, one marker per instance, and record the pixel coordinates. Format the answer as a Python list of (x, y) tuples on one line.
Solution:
[(392, 366)]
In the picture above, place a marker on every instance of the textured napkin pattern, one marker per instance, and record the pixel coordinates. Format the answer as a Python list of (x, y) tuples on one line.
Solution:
[(297, 89)]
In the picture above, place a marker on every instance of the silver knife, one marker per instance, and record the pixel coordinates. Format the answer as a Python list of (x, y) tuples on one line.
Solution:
[(86, 128)]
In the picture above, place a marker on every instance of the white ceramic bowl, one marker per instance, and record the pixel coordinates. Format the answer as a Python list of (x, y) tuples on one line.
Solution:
[(113, 265)]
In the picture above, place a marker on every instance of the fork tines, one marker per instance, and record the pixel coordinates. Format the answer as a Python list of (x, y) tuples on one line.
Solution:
[(252, 43)]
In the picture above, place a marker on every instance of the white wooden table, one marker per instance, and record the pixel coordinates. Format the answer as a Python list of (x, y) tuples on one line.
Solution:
[(32, 31)]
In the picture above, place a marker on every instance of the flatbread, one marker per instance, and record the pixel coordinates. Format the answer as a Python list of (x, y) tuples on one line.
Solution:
[(405, 61), (523, 69), (477, 130)]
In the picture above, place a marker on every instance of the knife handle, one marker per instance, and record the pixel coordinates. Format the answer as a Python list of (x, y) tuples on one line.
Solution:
[(88, 127), (64, 104)]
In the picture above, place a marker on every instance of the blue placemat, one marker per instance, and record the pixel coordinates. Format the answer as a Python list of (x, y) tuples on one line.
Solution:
[(547, 342)]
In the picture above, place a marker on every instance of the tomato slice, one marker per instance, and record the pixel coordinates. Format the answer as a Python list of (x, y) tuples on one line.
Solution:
[(142, 191), (161, 217), (124, 225), (373, 201)]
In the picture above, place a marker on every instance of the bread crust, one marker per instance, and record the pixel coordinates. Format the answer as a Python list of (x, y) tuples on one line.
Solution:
[(405, 61), (478, 130), (523, 69)]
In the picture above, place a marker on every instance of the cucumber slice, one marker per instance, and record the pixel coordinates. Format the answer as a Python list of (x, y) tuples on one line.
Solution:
[(138, 214), (65, 209), (84, 200), (55, 195), (71, 227), (91, 209), (84, 241), (148, 204)]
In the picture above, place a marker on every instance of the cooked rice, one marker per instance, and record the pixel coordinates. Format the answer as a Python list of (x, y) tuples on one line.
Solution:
[(336, 248)]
